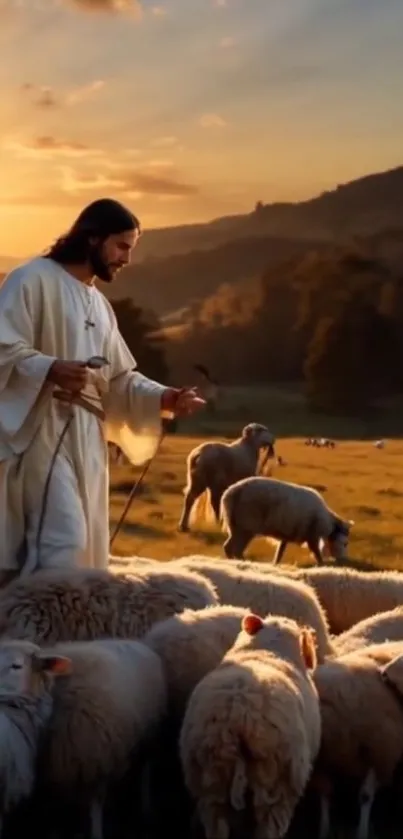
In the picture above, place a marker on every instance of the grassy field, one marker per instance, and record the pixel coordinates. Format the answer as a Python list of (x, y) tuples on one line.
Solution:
[(360, 482)]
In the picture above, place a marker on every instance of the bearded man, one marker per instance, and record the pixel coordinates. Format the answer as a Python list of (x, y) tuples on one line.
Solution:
[(53, 320)]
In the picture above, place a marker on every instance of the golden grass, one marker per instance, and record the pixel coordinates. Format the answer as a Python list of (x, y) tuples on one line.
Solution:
[(360, 482)]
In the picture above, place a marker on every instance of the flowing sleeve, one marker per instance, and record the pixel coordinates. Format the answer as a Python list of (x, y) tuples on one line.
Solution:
[(132, 404), (23, 369)]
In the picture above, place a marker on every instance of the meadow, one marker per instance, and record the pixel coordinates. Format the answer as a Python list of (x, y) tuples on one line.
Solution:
[(360, 482)]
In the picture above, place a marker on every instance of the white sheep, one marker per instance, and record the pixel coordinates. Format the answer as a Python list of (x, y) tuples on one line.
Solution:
[(82, 604), (190, 645), (350, 596), (212, 467), (252, 725), (381, 627), (112, 703), (284, 512), (362, 730), (26, 680), (264, 594)]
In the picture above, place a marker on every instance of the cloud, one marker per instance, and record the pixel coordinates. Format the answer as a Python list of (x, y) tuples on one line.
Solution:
[(132, 8), (47, 146), (129, 182), (48, 98), (220, 4), (212, 121)]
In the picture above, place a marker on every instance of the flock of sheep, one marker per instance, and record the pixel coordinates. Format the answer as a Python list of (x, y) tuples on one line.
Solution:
[(236, 698), (212, 697)]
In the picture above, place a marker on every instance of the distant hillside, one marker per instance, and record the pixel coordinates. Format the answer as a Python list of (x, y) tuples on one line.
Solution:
[(170, 284), (362, 206)]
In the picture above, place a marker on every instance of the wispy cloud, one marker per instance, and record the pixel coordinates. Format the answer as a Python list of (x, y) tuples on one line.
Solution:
[(47, 146), (133, 8), (48, 98), (127, 181), (212, 121), (164, 142)]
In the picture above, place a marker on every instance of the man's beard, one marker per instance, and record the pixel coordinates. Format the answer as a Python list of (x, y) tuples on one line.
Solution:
[(100, 268)]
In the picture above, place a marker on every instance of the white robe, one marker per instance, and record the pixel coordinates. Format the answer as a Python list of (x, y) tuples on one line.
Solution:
[(43, 310)]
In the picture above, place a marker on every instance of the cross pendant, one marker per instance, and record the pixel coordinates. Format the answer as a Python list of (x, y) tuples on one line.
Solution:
[(89, 323)]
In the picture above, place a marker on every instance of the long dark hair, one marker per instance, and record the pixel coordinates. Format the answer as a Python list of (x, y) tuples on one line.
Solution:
[(100, 219)]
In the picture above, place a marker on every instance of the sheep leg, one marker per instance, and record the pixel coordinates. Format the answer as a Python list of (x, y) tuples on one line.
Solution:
[(235, 545), (279, 552), (324, 816), (366, 800), (191, 496), (213, 817), (316, 551), (97, 817), (215, 500)]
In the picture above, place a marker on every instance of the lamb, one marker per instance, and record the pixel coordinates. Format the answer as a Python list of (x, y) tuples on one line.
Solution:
[(282, 511), (350, 596), (263, 594), (27, 676), (212, 467), (362, 730), (80, 604), (190, 645), (110, 706), (253, 726)]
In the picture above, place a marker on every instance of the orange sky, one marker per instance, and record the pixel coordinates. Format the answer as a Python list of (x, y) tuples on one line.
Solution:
[(189, 110)]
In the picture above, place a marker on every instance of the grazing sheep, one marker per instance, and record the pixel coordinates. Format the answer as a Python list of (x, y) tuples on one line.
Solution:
[(349, 596), (265, 594), (104, 712), (379, 628), (190, 645), (81, 604), (212, 467), (362, 730), (252, 727), (26, 681), (282, 511)]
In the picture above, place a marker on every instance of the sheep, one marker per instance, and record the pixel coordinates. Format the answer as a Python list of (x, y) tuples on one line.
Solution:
[(27, 676), (283, 511), (80, 604), (263, 594), (212, 467), (362, 729), (381, 627), (350, 596), (104, 713), (253, 726), (190, 645)]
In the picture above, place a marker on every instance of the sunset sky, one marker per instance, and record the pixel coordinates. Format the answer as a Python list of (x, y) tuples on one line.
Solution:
[(190, 109)]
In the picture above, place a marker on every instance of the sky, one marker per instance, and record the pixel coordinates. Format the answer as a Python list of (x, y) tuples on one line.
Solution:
[(187, 110)]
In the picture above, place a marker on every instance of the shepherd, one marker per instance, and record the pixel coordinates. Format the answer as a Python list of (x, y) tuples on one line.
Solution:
[(53, 319)]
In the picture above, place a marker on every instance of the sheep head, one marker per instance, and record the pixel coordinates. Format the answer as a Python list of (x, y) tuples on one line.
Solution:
[(26, 670), (259, 437), (337, 543)]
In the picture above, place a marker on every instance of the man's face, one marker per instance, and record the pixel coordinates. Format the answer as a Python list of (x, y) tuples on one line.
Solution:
[(108, 257)]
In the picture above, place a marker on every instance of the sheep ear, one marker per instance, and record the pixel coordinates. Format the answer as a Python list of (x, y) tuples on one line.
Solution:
[(252, 624), (56, 665), (351, 523), (308, 643)]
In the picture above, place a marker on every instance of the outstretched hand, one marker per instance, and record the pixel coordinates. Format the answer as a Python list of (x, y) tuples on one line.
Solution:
[(181, 402)]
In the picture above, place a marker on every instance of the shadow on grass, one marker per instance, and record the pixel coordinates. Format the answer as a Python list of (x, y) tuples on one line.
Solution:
[(145, 531)]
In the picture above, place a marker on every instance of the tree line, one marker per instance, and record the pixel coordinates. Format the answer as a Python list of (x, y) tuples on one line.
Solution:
[(332, 319)]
